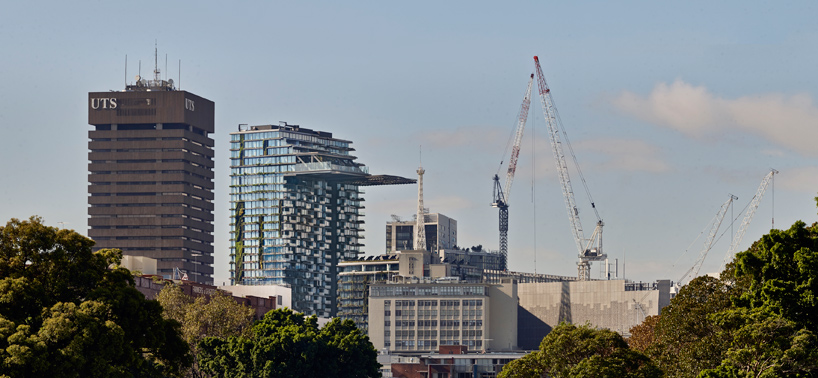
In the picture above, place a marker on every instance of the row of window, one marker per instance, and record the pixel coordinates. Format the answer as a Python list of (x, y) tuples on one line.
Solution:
[(447, 290), (245, 153)]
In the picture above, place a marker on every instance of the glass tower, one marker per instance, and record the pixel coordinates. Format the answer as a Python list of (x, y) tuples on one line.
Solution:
[(295, 211)]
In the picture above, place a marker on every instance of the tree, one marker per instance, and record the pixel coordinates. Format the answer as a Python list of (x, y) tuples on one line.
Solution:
[(218, 315), (782, 268), (573, 352), (758, 320), (686, 340), (288, 344), (66, 311), (642, 335), (765, 345)]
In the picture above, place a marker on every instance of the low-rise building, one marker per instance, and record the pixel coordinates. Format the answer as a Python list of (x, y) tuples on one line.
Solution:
[(151, 285), (450, 361), (419, 315)]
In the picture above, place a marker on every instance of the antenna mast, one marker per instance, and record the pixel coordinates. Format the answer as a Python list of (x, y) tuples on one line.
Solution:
[(156, 75), (420, 232)]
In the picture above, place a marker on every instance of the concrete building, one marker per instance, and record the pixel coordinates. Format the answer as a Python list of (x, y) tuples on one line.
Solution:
[(296, 211), (151, 176), (440, 231), (419, 317), (356, 275), (616, 304)]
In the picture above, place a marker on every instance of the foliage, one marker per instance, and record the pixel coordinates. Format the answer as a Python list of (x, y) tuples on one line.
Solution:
[(642, 335), (287, 344), (571, 351), (528, 366), (218, 315), (686, 341), (783, 271), (758, 320), (765, 345), (66, 311)]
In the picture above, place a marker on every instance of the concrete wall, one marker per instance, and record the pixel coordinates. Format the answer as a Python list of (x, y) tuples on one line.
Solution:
[(603, 304), (502, 316)]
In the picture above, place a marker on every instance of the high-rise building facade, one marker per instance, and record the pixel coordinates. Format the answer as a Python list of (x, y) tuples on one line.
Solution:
[(296, 211), (151, 176)]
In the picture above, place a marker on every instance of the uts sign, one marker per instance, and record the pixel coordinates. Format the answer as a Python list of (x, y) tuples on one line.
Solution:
[(103, 103)]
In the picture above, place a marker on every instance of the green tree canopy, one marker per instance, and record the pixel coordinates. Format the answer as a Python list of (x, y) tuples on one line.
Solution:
[(66, 311), (758, 319), (569, 351), (288, 344), (218, 315), (685, 339)]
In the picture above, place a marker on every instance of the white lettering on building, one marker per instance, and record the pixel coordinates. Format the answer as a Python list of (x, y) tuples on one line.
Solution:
[(189, 104), (103, 103)]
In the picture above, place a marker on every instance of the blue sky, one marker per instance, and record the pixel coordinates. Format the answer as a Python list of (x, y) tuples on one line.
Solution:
[(669, 107)]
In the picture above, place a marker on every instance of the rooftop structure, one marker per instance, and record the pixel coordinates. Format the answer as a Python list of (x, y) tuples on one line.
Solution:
[(440, 232)]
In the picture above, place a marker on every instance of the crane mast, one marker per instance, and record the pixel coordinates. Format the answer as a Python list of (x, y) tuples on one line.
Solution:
[(502, 194), (590, 249), (748, 217)]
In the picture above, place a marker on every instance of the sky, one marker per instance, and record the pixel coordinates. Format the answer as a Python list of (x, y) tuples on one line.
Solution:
[(670, 107)]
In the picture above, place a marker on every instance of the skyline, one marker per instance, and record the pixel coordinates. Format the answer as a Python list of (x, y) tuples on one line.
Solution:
[(669, 108)]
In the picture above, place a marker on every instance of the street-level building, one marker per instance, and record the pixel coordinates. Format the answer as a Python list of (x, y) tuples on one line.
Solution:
[(296, 211), (151, 176), (450, 361)]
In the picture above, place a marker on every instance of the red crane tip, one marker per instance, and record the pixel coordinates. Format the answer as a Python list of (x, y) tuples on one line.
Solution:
[(535, 57)]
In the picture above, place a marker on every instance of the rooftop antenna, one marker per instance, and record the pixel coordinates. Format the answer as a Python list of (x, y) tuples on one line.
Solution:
[(126, 70), (140, 68), (420, 233), (166, 66), (156, 75), (180, 75)]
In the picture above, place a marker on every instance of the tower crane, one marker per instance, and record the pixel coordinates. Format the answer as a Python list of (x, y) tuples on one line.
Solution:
[(708, 243), (502, 194), (589, 249), (748, 216)]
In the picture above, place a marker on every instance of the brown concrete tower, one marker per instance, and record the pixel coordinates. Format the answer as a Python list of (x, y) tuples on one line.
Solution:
[(151, 176)]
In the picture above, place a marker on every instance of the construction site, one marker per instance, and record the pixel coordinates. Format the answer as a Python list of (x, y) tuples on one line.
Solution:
[(423, 258)]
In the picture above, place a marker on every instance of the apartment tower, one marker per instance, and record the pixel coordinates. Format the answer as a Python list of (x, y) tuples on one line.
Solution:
[(296, 211), (151, 176)]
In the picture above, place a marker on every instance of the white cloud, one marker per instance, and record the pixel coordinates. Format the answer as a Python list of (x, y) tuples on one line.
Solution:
[(789, 122)]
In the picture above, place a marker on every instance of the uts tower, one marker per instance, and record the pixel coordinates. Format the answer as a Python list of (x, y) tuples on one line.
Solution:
[(151, 176)]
